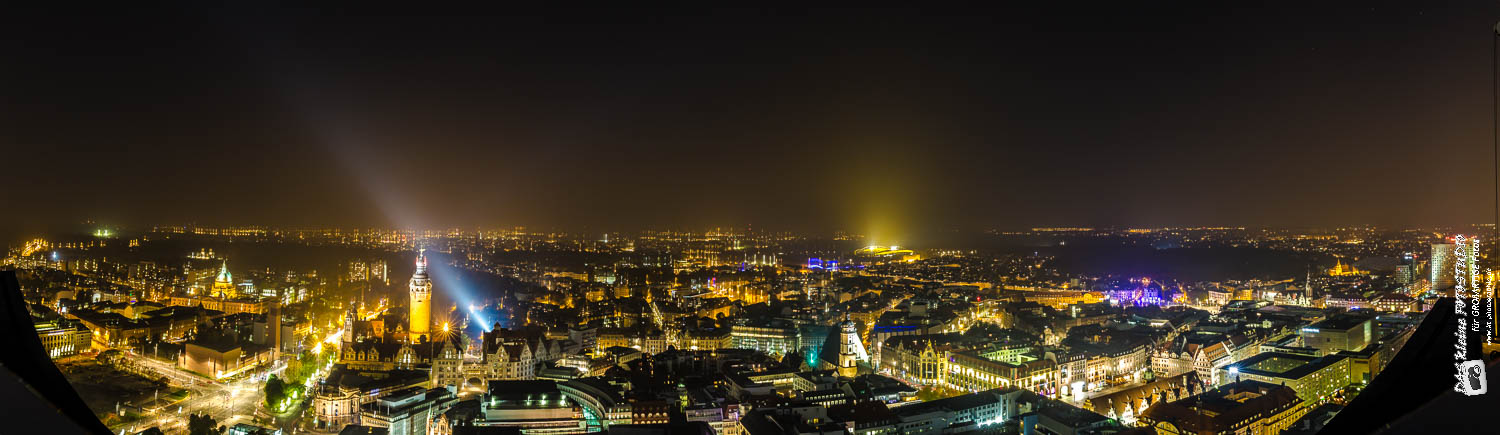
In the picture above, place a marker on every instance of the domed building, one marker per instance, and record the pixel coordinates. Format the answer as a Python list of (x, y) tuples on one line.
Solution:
[(223, 284)]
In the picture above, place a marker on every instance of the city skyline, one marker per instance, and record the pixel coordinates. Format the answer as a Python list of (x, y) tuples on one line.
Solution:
[(252, 219)]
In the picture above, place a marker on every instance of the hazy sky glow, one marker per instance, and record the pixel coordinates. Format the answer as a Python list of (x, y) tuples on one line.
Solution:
[(871, 121)]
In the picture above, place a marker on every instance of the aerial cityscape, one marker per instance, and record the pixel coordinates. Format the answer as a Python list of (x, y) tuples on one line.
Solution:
[(316, 330), (1133, 220)]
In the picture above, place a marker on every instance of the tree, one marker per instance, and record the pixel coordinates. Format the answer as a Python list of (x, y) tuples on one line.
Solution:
[(292, 390), (109, 357), (275, 393), (152, 431), (203, 425), (927, 394)]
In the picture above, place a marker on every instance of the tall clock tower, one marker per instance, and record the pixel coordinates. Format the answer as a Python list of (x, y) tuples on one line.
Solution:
[(421, 299)]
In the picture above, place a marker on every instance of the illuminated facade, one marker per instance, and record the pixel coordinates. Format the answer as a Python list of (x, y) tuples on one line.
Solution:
[(1442, 266), (1247, 407), (772, 341), (505, 355), (63, 338), (1341, 269), (851, 350), (968, 371), (1339, 333), (1313, 378), (223, 285), (921, 363), (421, 299)]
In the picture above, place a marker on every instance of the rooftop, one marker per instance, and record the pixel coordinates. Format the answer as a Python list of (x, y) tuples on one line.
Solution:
[(524, 390), (1341, 322), (1225, 408), (1286, 365)]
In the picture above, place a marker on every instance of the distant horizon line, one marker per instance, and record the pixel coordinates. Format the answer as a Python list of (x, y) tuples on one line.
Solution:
[(92, 226)]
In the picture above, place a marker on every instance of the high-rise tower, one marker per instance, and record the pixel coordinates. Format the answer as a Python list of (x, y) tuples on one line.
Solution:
[(1441, 267), (421, 299), (223, 285)]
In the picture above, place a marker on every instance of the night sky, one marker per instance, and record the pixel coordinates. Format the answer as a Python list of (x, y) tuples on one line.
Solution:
[(887, 122)]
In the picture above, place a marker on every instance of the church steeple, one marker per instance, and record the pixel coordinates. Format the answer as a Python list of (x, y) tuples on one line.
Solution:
[(1307, 292)]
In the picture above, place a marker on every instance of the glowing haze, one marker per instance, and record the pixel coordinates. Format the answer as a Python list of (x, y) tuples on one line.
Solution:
[(890, 123)]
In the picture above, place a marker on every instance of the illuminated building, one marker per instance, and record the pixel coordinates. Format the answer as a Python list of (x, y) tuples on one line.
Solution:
[(1307, 289), (113, 329), (447, 366), (851, 350), (217, 358), (421, 299), (1396, 302), (505, 355), (1139, 292), (359, 271), (537, 406), (723, 419), (920, 362), (223, 285), (1313, 378), (1062, 299), (704, 339), (1128, 404), (770, 340), (1245, 407), (1202, 354), (228, 306), (1341, 269), (1351, 301), (408, 411), (338, 398), (63, 337), (969, 371), (1441, 267), (1406, 272), (386, 355), (875, 253), (514, 355), (647, 341), (1338, 333)]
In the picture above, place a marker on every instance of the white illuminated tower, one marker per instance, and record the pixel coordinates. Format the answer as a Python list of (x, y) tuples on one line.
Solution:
[(349, 324), (421, 299), (851, 350)]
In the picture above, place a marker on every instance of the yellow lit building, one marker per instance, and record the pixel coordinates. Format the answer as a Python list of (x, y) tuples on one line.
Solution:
[(1341, 269), (421, 299), (223, 285), (63, 337), (1247, 407), (1314, 379), (968, 371)]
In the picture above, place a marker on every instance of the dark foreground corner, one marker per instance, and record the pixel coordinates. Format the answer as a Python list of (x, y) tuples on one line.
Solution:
[(1415, 393), (37, 398)]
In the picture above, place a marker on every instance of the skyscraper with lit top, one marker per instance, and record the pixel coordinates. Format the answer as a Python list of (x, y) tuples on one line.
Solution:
[(421, 299)]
